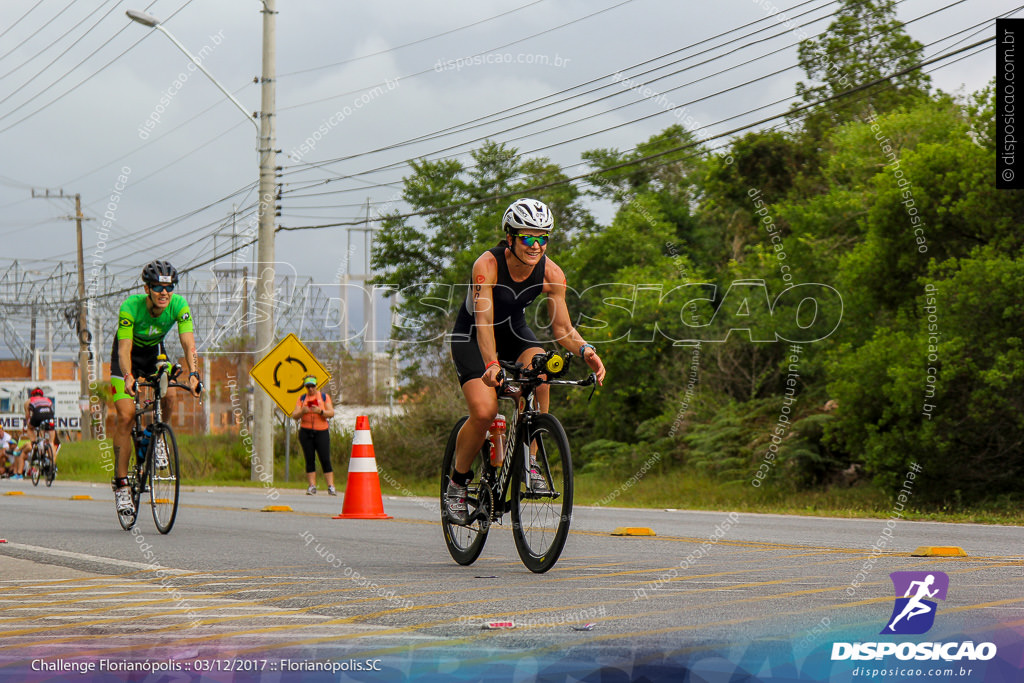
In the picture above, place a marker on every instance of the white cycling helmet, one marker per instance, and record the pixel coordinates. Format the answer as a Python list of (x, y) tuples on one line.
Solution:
[(527, 213)]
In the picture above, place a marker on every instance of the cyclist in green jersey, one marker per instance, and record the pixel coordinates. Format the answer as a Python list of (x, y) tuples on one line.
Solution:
[(143, 322)]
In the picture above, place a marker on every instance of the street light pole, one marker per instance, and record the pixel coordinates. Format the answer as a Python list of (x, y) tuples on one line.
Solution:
[(262, 464)]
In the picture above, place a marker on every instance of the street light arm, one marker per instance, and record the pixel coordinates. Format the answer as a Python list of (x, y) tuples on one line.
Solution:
[(247, 113)]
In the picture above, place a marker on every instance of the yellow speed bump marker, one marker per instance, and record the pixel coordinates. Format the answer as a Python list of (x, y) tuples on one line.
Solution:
[(633, 531), (939, 551), (277, 508), (82, 497), (15, 493)]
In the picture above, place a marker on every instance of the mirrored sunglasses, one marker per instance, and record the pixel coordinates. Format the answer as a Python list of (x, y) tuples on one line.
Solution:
[(530, 240), (160, 289)]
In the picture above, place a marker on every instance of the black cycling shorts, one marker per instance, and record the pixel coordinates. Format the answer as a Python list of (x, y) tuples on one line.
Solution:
[(37, 418), (143, 360), (510, 344)]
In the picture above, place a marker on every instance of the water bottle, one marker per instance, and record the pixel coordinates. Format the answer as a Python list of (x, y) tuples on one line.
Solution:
[(496, 434), (144, 443)]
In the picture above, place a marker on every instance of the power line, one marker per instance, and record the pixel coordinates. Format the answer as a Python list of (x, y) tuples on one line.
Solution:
[(409, 44), (478, 54), (163, 135), (18, 21), (90, 76), (54, 42), (644, 159), (639, 161), (33, 34), (468, 125), (561, 142)]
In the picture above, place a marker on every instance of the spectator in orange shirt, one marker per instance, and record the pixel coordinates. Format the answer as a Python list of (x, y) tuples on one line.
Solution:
[(313, 410)]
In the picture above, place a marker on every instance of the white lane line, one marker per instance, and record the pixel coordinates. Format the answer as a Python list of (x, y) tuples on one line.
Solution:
[(128, 564)]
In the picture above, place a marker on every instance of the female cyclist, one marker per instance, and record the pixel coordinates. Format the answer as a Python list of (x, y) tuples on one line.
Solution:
[(492, 326)]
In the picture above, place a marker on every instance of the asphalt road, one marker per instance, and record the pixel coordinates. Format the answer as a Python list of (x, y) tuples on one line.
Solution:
[(711, 593)]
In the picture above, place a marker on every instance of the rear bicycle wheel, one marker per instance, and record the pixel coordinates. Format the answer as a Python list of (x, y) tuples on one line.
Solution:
[(163, 477), (465, 543), (51, 469), (33, 466), (540, 520)]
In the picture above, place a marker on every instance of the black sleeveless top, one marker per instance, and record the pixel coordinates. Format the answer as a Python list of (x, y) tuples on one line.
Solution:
[(510, 298)]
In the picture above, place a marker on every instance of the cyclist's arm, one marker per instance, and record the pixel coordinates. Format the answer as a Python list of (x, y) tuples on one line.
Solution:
[(188, 345), (485, 276), (124, 357), (183, 318), (561, 324), (28, 411)]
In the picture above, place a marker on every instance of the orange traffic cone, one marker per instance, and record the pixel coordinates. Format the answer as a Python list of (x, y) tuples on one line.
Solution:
[(362, 493)]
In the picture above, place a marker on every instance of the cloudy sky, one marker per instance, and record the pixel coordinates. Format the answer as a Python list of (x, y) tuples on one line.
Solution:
[(87, 96)]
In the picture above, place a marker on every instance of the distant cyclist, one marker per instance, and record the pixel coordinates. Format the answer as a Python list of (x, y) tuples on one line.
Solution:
[(39, 410), (142, 323), (491, 325)]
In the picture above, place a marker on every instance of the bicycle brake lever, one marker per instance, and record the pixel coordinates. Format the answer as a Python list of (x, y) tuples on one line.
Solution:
[(593, 383)]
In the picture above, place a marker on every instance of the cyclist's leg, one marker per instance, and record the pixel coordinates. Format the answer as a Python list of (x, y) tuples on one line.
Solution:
[(481, 400), (124, 411), (483, 406), (143, 363)]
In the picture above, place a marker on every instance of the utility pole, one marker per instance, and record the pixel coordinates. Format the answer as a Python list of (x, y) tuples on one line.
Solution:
[(263, 424), (371, 336), (83, 332)]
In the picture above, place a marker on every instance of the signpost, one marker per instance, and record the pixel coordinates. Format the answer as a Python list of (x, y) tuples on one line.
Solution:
[(280, 374)]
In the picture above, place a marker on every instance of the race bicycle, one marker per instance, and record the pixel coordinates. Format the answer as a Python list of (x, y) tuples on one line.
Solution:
[(540, 514), (153, 464), (41, 456)]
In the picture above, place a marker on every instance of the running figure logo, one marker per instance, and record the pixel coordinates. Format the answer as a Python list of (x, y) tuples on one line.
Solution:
[(913, 614)]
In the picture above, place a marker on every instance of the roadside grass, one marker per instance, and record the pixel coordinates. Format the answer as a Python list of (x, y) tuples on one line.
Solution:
[(222, 460)]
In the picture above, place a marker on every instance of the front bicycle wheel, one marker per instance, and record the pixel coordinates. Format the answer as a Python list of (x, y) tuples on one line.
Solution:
[(51, 469), (163, 477), (541, 515), (465, 543)]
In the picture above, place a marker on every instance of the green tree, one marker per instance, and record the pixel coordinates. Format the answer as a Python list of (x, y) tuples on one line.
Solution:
[(427, 260), (864, 43)]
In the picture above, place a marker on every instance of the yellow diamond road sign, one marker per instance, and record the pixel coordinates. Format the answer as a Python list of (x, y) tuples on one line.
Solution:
[(281, 372)]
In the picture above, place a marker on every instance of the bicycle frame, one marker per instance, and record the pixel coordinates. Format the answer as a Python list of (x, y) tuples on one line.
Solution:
[(523, 412), (148, 468), (160, 384), (521, 420)]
